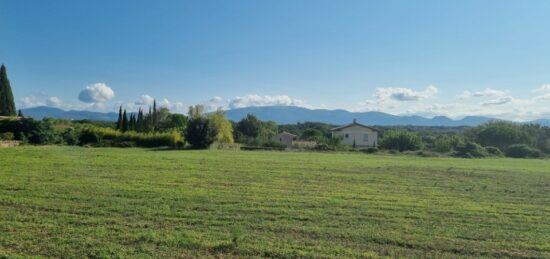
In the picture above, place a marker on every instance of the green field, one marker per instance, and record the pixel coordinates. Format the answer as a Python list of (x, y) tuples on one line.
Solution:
[(86, 202)]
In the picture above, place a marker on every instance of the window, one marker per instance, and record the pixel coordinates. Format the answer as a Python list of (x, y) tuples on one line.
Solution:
[(365, 137), (347, 135)]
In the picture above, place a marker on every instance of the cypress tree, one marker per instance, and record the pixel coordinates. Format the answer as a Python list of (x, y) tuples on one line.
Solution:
[(124, 121), (119, 121), (139, 120), (149, 121), (155, 116), (7, 104), (133, 121)]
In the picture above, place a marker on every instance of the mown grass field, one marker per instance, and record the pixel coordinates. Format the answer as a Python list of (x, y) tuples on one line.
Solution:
[(138, 203)]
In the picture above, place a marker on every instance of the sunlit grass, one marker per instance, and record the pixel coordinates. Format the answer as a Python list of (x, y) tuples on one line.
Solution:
[(78, 202)]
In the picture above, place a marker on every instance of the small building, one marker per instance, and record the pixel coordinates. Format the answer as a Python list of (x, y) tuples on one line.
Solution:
[(363, 136), (285, 138)]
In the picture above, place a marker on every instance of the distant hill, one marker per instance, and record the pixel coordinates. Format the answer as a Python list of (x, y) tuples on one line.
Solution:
[(289, 114), (545, 122), (50, 112)]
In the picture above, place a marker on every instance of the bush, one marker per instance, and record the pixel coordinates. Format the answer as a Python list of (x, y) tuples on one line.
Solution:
[(500, 134), (323, 147), (401, 140), (35, 132), (110, 137), (200, 133), (423, 153), (71, 136), (522, 151), (495, 151), (470, 150), (274, 144), (446, 143), (370, 150), (7, 136)]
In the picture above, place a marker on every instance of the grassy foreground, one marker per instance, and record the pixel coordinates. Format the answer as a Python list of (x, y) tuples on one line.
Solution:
[(83, 202)]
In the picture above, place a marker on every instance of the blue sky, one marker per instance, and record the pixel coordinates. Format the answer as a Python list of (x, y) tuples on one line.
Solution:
[(452, 58)]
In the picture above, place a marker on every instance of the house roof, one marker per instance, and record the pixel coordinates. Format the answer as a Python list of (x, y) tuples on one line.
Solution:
[(354, 123), (286, 133)]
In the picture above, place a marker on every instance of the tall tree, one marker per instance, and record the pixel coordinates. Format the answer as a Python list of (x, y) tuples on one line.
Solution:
[(200, 132), (155, 115), (124, 121), (7, 104), (223, 126), (196, 111), (133, 121), (249, 127), (139, 122), (119, 121)]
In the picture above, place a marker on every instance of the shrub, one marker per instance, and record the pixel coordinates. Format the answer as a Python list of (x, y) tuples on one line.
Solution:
[(322, 147), (274, 144), (446, 143), (370, 150), (500, 134), (200, 132), (522, 151), (35, 132), (7, 136), (470, 150), (111, 137), (401, 140), (422, 153), (495, 151), (71, 136)]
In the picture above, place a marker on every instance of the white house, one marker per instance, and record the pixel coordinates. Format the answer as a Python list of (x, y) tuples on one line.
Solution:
[(285, 138), (361, 135)]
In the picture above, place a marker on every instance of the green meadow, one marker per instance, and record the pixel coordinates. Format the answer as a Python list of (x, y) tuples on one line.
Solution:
[(139, 203)]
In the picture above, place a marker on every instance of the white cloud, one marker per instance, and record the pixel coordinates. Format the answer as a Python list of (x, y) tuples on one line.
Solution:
[(54, 102), (404, 94), (145, 100), (41, 100), (30, 101), (542, 89), (172, 106), (96, 93), (464, 95), (489, 92), (543, 97), (498, 101), (253, 100), (216, 99)]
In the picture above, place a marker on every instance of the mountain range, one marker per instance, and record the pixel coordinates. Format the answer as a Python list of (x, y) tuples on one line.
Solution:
[(287, 115)]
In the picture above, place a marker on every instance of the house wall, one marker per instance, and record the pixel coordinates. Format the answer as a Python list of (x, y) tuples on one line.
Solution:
[(358, 133), (284, 138)]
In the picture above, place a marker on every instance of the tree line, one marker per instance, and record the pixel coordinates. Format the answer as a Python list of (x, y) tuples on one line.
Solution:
[(200, 129)]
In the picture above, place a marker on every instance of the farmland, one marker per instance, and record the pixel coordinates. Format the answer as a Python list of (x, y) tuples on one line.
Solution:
[(107, 202)]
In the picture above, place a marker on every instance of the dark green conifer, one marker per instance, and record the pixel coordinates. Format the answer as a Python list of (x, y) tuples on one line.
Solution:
[(7, 104), (124, 121), (119, 121)]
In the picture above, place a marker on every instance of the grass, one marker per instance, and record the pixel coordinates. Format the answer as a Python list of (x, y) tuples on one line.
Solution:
[(138, 203)]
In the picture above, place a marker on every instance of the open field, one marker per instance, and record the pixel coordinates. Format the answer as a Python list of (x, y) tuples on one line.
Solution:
[(78, 202)]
